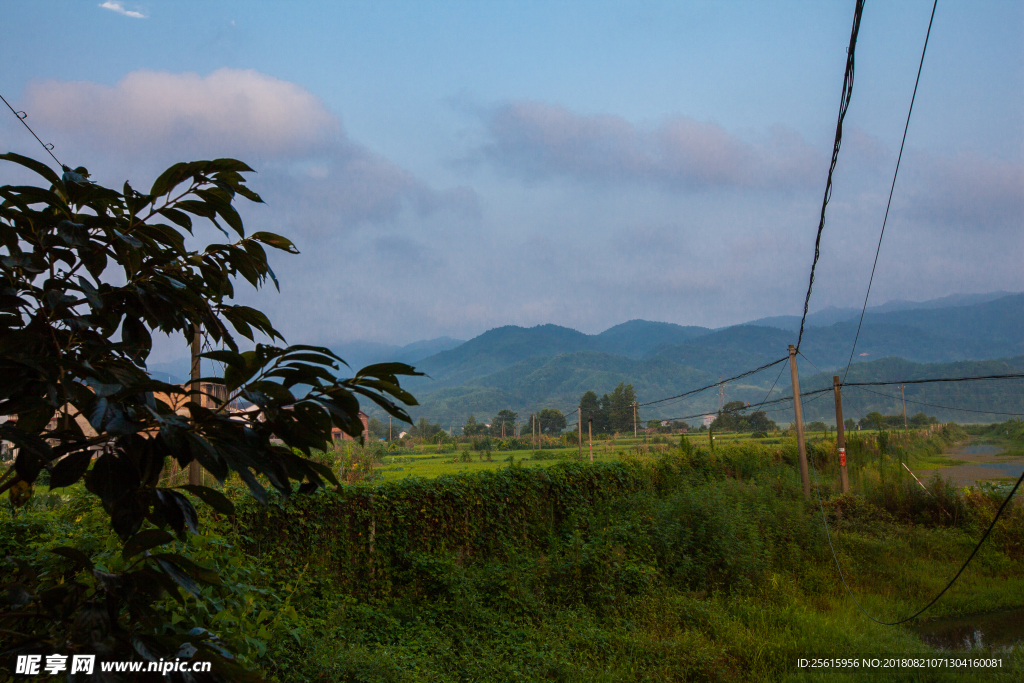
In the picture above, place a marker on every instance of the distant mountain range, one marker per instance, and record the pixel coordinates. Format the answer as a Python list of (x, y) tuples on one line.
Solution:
[(526, 369)]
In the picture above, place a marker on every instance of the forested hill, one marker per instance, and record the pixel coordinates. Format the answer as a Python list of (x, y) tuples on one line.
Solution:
[(525, 369), (991, 329)]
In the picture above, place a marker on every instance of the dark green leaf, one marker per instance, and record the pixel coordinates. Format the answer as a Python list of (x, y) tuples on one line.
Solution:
[(145, 540), (75, 555), (70, 469), (215, 499)]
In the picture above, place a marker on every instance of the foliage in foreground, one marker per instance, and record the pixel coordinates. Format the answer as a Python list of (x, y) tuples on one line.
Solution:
[(87, 275), (666, 567)]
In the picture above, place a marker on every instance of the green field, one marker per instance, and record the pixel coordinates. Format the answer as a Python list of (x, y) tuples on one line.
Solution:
[(654, 563)]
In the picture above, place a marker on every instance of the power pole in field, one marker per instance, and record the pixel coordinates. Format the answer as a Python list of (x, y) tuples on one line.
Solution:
[(533, 431), (590, 436), (194, 474), (798, 410), (903, 397), (634, 420), (579, 431), (840, 434)]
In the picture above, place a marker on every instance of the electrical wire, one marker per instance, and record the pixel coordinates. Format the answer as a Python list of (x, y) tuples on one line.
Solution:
[(21, 117), (933, 405), (888, 204), (710, 386), (949, 585), (844, 105), (930, 380)]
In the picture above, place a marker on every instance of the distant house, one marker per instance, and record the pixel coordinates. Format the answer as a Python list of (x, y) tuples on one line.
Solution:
[(708, 419), (339, 435)]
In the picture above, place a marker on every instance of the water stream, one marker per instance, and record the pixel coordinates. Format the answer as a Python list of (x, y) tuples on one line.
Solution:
[(973, 631)]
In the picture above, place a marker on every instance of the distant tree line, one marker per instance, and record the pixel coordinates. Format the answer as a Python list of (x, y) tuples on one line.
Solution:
[(876, 420), (731, 419)]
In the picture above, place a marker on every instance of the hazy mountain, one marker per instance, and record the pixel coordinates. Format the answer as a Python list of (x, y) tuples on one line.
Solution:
[(527, 368), (832, 315), (359, 354), (639, 338), (993, 329)]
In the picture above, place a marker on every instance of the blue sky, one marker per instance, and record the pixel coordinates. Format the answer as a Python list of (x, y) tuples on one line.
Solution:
[(450, 167)]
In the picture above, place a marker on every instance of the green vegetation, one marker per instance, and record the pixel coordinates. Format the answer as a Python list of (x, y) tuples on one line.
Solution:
[(656, 563), (87, 275)]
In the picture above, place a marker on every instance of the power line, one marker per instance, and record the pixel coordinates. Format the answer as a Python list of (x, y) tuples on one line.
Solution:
[(720, 382), (970, 557), (933, 405), (930, 380), (906, 126), (21, 117), (844, 104)]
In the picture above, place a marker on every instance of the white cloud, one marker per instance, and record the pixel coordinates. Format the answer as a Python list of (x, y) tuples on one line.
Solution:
[(119, 8), (535, 140), (311, 173), (149, 112)]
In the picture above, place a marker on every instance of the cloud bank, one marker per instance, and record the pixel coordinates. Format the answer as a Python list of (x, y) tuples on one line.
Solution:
[(536, 141), (312, 172)]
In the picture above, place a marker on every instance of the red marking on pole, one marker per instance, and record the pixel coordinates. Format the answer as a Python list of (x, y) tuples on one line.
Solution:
[(842, 457)]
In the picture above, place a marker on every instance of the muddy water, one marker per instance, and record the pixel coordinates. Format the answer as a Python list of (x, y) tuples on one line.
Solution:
[(979, 449), (981, 462), (973, 631)]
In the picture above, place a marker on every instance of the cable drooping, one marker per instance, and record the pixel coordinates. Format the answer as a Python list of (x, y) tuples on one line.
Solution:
[(891, 189), (933, 405), (949, 585), (844, 104), (709, 386), (47, 147)]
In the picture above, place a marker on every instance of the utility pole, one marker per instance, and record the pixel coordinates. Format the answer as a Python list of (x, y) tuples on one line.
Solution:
[(389, 428), (590, 436), (579, 431), (721, 395), (634, 420), (840, 434), (194, 474), (798, 410), (903, 397), (533, 431)]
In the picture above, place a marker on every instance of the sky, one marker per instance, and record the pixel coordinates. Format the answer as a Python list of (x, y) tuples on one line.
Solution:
[(449, 167)]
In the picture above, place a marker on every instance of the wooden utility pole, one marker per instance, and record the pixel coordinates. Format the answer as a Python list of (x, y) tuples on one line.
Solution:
[(590, 436), (533, 431), (903, 397), (194, 474), (579, 431), (798, 411), (840, 434), (634, 420)]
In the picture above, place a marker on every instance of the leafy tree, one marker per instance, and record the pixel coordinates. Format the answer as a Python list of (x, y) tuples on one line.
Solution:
[(87, 274), (817, 426), (551, 421), (620, 408), (850, 424), (473, 428), (921, 420), (590, 409), (377, 429), (424, 430), (504, 420), (730, 418)]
